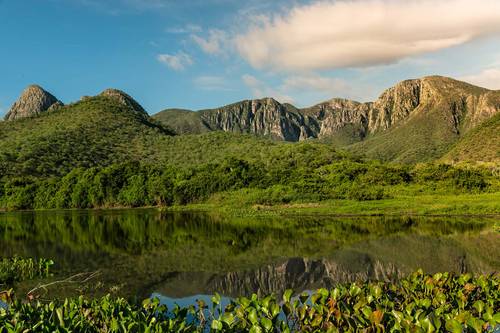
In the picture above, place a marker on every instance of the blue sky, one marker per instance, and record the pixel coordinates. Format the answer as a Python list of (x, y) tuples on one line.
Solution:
[(205, 53)]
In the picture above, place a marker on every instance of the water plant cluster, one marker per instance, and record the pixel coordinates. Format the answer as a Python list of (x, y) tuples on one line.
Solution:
[(18, 269), (441, 302)]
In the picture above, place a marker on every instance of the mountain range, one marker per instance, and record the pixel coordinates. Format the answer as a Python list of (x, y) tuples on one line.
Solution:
[(431, 118)]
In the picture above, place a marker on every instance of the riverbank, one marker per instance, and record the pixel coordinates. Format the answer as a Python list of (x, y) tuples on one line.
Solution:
[(235, 203)]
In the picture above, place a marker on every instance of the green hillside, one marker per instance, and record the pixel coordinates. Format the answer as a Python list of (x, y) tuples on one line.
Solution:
[(482, 144), (95, 132), (182, 121)]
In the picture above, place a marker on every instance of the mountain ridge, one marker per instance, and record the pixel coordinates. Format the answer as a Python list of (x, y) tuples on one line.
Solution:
[(417, 120), (433, 111)]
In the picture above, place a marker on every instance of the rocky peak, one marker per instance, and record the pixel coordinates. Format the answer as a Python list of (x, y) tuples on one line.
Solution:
[(395, 105), (123, 99), (33, 101)]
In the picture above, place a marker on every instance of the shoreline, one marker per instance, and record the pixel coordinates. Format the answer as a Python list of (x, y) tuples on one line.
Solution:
[(485, 205)]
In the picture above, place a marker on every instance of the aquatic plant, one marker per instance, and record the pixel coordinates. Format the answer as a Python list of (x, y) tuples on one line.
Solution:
[(19, 269), (441, 302)]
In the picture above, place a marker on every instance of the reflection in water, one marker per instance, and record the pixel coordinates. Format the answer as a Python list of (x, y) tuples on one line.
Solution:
[(139, 252)]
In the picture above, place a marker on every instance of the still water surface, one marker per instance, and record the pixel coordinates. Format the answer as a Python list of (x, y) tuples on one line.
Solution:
[(180, 256)]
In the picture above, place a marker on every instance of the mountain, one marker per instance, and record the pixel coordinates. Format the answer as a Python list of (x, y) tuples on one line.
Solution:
[(416, 120), (113, 128), (263, 117), (33, 101), (443, 111), (95, 131)]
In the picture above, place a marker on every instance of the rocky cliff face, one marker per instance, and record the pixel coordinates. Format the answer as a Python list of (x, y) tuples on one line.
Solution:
[(264, 117), (458, 105), (33, 101)]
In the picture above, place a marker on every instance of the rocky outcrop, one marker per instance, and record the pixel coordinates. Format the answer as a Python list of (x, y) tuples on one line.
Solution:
[(123, 99), (263, 117), (33, 101), (458, 105)]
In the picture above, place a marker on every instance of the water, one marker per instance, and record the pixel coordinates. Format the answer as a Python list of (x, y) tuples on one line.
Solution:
[(184, 256)]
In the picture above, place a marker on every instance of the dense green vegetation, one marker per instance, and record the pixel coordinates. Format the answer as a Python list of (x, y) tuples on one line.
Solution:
[(418, 303), (94, 132), (101, 153), (300, 174)]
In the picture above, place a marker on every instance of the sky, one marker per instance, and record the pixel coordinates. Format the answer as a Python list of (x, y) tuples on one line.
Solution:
[(197, 54)]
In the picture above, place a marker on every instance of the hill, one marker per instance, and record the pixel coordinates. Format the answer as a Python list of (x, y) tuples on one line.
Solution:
[(96, 131), (482, 144), (414, 121), (183, 121)]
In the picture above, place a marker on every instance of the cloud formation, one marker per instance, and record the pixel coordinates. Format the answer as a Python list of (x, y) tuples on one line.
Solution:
[(338, 34), (177, 62), (214, 44), (488, 78), (314, 82)]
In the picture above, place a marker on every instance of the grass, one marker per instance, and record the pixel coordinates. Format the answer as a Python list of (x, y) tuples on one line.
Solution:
[(237, 203)]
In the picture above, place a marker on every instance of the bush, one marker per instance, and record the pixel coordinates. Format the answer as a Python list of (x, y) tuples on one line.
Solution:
[(467, 179), (362, 192)]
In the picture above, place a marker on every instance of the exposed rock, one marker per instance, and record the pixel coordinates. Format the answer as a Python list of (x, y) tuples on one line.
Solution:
[(124, 99), (458, 105), (33, 101), (264, 117)]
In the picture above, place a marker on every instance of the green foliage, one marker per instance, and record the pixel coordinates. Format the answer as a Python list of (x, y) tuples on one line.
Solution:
[(423, 303), (363, 192), (19, 269), (99, 153), (135, 184)]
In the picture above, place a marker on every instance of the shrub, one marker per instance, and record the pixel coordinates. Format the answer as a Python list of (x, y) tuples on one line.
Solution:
[(363, 192)]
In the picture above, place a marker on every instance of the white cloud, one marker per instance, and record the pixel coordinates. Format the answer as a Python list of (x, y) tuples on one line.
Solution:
[(334, 34), (214, 44), (260, 89), (316, 83), (212, 83), (177, 61), (187, 29), (487, 78)]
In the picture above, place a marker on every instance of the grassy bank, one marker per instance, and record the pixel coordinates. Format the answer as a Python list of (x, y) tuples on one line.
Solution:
[(244, 203)]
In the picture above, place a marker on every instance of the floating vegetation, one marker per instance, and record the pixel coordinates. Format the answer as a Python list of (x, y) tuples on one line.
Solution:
[(441, 302)]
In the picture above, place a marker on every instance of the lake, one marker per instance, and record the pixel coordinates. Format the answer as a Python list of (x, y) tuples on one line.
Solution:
[(181, 256)]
